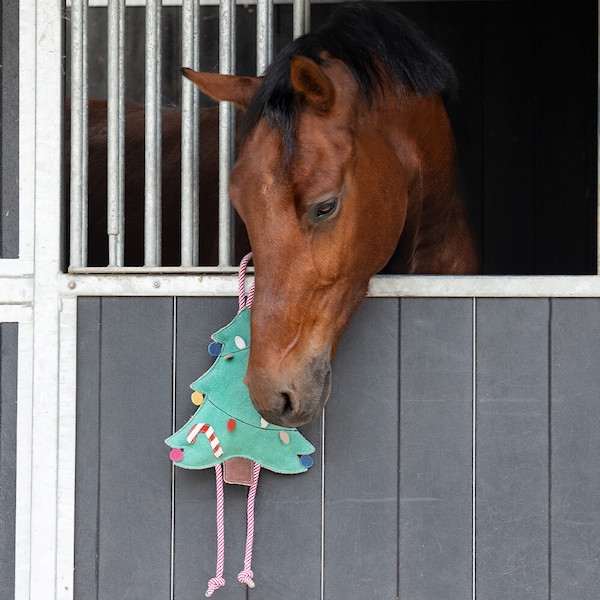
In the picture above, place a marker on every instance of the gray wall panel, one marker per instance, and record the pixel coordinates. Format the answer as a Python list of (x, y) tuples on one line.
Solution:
[(87, 458), (136, 392), (195, 498), (575, 455), (134, 397), (8, 448), (9, 129), (512, 449), (436, 449), (398, 476), (287, 561), (361, 459)]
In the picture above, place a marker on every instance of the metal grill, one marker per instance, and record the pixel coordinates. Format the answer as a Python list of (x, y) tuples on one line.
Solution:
[(191, 228)]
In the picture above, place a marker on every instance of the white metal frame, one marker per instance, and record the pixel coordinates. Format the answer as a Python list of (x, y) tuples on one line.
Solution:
[(35, 294)]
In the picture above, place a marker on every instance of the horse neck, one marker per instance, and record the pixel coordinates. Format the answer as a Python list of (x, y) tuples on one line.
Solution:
[(437, 236)]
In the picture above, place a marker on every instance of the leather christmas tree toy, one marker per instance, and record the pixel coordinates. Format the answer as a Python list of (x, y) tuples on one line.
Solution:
[(227, 430)]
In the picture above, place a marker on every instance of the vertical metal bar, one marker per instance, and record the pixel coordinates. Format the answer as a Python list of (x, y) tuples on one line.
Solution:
[(116, 133), (153, 212), (79, 136), (474, 450), (226, 131), (264, 35), (301, 17), (189, 138), (45, 576), (598, 158), (306, 16)]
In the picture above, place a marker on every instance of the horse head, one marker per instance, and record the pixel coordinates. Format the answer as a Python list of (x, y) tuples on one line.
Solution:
[(322, 186)]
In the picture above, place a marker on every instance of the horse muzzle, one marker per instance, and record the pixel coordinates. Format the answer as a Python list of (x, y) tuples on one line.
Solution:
[(290, 399)]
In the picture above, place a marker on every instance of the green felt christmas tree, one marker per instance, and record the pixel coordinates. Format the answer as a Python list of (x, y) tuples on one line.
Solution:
[(226, 424), (226, 428)]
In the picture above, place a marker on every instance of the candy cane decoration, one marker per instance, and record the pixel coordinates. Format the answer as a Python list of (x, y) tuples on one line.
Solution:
[(209, 432)]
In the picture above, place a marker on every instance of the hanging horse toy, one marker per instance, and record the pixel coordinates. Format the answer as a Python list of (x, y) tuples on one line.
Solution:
[(227, 433)]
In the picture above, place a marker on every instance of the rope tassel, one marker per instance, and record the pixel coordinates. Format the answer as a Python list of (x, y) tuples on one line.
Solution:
[(217, 581), (245, 576)]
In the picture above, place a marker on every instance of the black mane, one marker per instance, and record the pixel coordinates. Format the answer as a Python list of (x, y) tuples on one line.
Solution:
[(357, 33)]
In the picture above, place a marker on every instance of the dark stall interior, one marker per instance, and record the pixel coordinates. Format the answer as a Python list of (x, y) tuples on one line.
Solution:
[(524, 117)]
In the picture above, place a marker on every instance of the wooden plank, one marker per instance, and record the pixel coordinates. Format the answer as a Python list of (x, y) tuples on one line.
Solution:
[(134, 514), (512, 449), (287, 561), (361, 459), (436, 449), (87, 459), (575, 417), (8, 451), (195, 547), (9, 130)]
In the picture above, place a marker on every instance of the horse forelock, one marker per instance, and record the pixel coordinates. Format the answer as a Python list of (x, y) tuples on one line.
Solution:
[(378, 45)]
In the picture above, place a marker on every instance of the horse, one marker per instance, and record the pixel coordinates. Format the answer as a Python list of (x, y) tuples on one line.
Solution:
[(347, 163)]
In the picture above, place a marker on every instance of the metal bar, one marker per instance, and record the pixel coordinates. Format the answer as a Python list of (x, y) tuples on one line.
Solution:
[(66, 430), (79, 135), (116, 133), (474, 449), (598, 158), (167, 281), (189, 138), (28, 76), (153, 212), (226, 131), (264, 35), (301, 17), (38, 463)]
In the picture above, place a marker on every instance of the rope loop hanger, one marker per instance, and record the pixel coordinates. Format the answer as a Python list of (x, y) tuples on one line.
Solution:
[(243, 301)]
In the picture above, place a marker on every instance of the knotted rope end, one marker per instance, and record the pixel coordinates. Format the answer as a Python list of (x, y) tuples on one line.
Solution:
[(214, 584), (246, 577)]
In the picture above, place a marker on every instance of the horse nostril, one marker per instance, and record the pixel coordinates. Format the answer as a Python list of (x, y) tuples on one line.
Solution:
[(287, 407)]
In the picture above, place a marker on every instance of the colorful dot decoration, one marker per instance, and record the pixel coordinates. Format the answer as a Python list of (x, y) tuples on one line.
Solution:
[(197, 399), (231, 424), (307, 461), (176, 454), (285, 437), (214, 348), (240, 342)]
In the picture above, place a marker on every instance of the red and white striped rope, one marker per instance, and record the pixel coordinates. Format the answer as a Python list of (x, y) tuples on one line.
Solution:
[(244, 302), (246, 575), (209, 432), (217, 581)]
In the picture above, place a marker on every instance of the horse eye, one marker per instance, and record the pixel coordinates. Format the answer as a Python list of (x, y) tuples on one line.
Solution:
[(326, 208)]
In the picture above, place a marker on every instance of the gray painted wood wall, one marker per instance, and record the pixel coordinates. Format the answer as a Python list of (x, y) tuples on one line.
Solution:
[(436, 402), (8, 448)]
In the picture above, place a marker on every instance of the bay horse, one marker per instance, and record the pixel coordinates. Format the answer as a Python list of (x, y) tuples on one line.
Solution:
[(347, 163)]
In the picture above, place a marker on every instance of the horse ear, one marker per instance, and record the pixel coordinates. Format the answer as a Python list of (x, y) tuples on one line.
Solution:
[(310, 80), (231, 88)]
